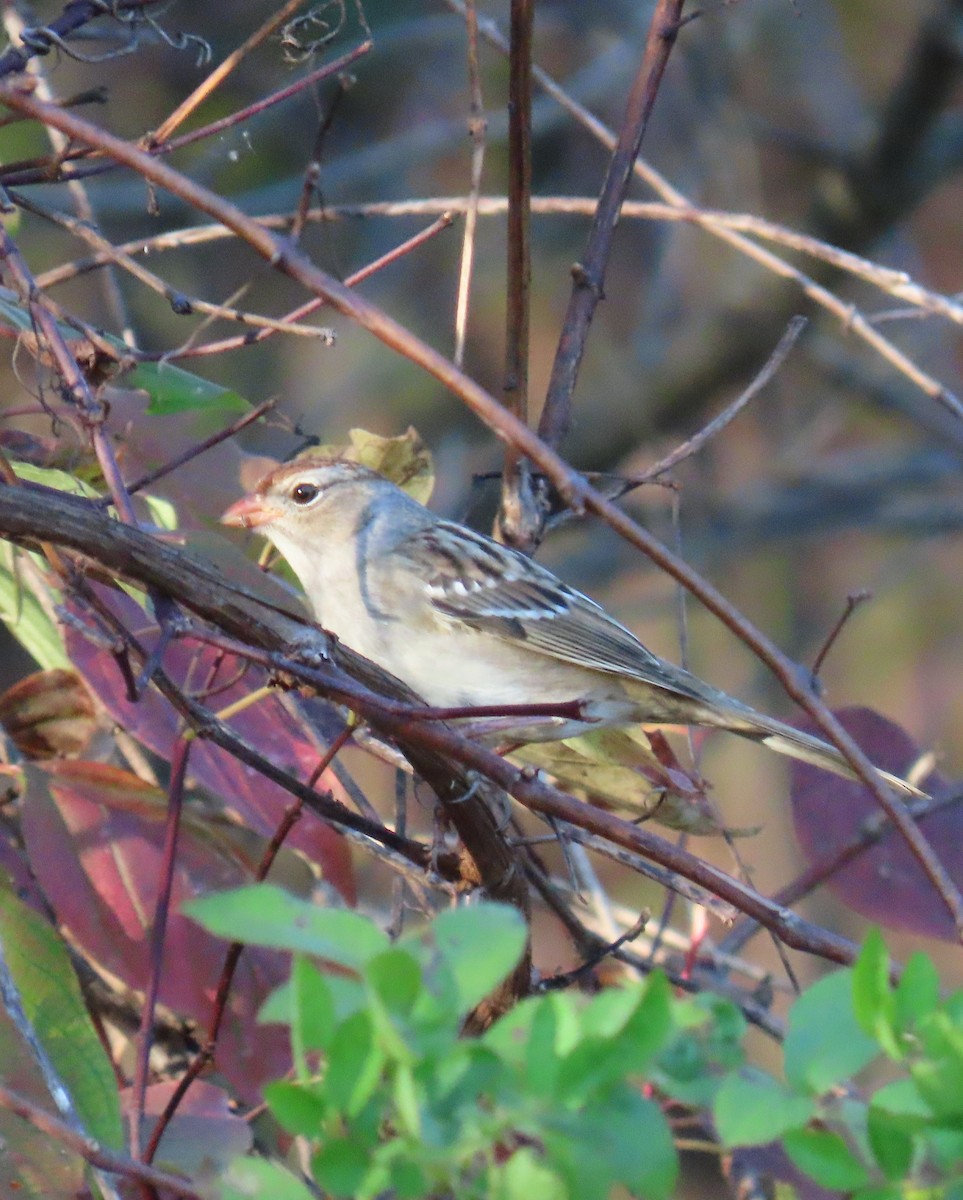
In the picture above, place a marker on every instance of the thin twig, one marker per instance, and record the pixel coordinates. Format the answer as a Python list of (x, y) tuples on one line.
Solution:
[(312, 172), (869, 834), (222, 435), (477, 128), (745, 245), (93, 1152), (898, 284), (852, 603), (565, 979), (15, 25), (221, 72), (233, 957), (179, 301), (520, 520), (46, 171), (175, 803), (694, 444), (588, 275), (75, 389), (74, 16), (257, 336)]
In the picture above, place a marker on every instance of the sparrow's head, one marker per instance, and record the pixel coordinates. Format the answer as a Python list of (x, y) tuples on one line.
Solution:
[(293, 496)]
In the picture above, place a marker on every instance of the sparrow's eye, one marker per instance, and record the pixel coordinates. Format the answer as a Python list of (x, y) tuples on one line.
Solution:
[(304, 493)]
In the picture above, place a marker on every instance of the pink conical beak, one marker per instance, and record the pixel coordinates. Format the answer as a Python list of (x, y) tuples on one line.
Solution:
[(250, 512)]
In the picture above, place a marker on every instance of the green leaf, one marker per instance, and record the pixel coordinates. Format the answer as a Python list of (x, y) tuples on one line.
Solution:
[(264, 915), (938, 1070), (636, 1022), (355, 1063), (707, 1042), (407, 1100), (347, 996), (23, 614), (891, 1140), (901, 1098), (873, 1004), (53, 477), (607, 1013), (313, 1018), (945, 1147), (298, 1108), (509, 1036), (20, 609), (54, 1006), (525, 1176), (475, 947), (938, 1082), (162, 512), (174, 390), (623, 1139), (249, 1177), (407, 1180), (825, 1044), (649, 1027), (752, 1109), (553, 1034), (917, 993), (469, 1071), (825, 1157), (340, 1167), (596, 1061), (396, 978)]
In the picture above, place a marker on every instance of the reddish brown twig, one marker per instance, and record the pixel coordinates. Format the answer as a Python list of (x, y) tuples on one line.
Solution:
[(870, 834), (145, 1036), (714, 427), (222, 71), (93, 1152), (852, 603), (520, 521), (589, 274), (206, 1054), (255, 336), (193, 452), (74, 387)]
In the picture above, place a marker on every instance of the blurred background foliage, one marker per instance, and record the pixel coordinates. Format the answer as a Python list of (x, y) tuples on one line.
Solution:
[(840, 119)]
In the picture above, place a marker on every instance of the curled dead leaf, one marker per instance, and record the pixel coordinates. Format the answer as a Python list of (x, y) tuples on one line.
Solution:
[(634, 773), (50, 714), (404, 459)]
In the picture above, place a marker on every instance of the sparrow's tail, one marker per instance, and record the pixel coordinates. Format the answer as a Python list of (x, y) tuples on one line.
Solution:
[(802, 746)]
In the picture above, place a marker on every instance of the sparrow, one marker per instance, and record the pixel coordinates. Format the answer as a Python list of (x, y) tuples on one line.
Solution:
[(466, 622)]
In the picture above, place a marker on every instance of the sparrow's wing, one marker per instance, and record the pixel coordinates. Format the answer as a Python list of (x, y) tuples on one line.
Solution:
[(473, 579)]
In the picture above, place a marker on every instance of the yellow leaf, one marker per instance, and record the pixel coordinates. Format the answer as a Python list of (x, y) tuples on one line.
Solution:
[(404, 459)]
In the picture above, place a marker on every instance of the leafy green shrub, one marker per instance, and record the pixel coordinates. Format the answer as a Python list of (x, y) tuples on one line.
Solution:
[(563, 1096)]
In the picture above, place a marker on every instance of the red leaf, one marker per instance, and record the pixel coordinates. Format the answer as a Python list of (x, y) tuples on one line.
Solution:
[(885, 883), (94, 834), (266, 725)]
